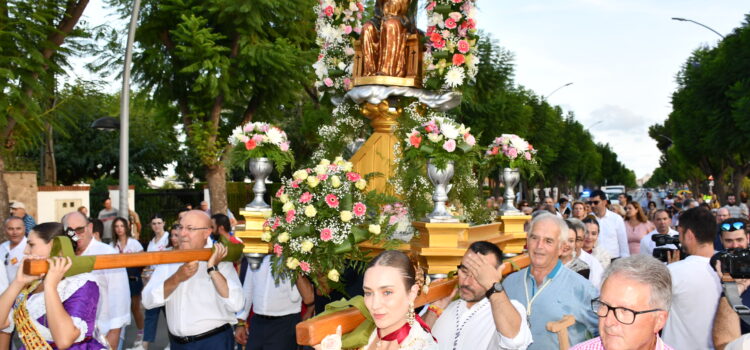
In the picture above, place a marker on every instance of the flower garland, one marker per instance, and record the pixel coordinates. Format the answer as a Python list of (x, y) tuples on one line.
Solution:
[(258, 139), (338, 25), (451, 57)]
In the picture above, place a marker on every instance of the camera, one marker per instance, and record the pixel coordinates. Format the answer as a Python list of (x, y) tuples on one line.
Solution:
[(660, 252), (736, 262)]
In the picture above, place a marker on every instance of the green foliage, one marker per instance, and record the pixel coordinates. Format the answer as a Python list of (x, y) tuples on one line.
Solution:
[(708, 131)]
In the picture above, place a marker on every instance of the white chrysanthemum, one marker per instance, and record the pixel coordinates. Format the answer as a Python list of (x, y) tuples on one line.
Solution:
[(436, 20), (454, 77), (519, 144), (330, 34), (321, 70), (449, 129), (275, 135)]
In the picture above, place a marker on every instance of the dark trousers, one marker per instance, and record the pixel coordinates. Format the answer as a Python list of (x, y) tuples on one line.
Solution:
[(223, 340), (273, 334)]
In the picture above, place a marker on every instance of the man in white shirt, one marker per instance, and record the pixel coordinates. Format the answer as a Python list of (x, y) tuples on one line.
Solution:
[(484, 317), (113, 309), (12, 253), (612, 236), (276, 309), (661, 221), (695, 286), (201, 297)]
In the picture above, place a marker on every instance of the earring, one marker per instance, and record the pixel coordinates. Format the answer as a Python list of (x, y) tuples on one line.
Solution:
[(410, 314)]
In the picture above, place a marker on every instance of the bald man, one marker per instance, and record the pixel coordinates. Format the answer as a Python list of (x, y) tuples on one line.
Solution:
[(200, 297)]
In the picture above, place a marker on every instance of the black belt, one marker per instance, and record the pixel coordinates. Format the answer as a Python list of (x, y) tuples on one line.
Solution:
[(197, 337)]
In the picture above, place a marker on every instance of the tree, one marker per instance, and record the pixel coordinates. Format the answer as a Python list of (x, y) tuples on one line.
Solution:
[(222, 63), (32, 34)]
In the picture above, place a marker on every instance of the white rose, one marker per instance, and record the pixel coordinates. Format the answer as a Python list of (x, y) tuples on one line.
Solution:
[(434, 137), (288, 206), (374, 229), (265, 236), (333, 275), (306, 246), (283, 237), (300, 174)]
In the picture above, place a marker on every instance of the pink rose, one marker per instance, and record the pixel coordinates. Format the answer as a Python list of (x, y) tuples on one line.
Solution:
[(358, 30), (450, 145), (284, 146), (431, 6), (359, 209), (277, 249), (304, 266), (332, 201), (458, 59), (326, 234), (295, 184), (280, 192), (258, 138), (347, 83), (415, 140), (347, 29), (527, 155), (450, 23), (393, 220), (512, 153), (248, 127), (455, 15), (353, 177), (276, 223), (469, 139), (290, 215), (322, 177), (305, 197), (463, 46), (328, 82), (458, 1)]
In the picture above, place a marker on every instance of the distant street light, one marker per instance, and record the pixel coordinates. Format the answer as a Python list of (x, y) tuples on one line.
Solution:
[(106, 123), (698, 23), (554, 91)]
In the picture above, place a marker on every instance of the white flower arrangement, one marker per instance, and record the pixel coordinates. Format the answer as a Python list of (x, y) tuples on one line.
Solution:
[(338, 25)]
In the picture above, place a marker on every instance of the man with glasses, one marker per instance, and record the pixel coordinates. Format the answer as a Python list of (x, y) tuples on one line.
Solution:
[(734, 235), (113, 309), (200, 297), (633, 306), (484, 317), (548, 290), (695, 286), (612, 236)]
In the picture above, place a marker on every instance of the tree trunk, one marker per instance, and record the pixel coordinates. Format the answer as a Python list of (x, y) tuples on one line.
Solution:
[(4, 199), (50, 166), (216, 176)]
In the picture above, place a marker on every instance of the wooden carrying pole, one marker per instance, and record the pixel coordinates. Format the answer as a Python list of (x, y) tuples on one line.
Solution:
[(312, 332), (112, 261)]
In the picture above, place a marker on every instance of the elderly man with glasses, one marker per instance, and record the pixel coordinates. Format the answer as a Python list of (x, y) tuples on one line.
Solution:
[(633, 305), (200, 297)]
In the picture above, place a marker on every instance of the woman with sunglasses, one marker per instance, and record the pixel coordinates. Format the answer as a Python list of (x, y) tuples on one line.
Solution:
[(51, 311), (125, 243)]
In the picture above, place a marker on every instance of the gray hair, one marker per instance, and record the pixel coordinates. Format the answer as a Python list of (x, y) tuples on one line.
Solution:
[(647, 270), (547, 216), (576, 225), (11, 218)]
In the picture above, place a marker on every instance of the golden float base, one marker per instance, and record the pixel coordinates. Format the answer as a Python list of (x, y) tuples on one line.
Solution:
[(254, 228)]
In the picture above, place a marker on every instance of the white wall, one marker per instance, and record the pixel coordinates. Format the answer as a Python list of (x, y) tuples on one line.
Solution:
[(114, 194), (48, 200)]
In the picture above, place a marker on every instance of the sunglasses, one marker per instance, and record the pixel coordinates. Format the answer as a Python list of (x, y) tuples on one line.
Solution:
[(737, 225), (594, 202)]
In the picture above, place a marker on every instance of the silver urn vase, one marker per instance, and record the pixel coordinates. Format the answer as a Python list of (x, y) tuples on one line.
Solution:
[(440, 179), (510, 177), (260, 168)]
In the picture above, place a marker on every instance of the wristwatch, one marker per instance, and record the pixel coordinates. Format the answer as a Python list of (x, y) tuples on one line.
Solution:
[(212, 268), (496, 288)]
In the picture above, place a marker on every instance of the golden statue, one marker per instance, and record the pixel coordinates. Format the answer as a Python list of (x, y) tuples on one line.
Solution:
[(389, 46)]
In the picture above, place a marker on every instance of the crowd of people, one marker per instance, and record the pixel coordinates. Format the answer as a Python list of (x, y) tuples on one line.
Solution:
[(586, 261)]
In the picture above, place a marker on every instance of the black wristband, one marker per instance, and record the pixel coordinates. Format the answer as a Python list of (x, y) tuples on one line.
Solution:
[(212, 268)]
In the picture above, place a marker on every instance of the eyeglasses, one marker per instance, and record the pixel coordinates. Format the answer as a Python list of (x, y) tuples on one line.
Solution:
[(622, 314), (737, 225), (595, 202), (191, 229), (77, 230)]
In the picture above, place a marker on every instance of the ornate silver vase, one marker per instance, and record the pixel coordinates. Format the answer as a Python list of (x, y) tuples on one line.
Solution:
[(510, 177), (440, 179), (260, 168)]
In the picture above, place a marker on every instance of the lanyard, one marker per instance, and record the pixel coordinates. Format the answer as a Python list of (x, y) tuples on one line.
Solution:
[(531, 301), (460, 326)]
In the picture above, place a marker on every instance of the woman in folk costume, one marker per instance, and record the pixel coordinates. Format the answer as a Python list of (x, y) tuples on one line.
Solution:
[(51, 311), (391, 285)]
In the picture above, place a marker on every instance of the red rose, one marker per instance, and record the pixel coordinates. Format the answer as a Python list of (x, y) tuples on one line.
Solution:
[(435, 37), (250, 144)]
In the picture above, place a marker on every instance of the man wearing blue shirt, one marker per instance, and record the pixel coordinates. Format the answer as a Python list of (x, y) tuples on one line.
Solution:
[(549, 290)]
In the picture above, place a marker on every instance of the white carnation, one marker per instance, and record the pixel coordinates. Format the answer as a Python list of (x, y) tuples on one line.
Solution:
[(454, 77), (275, 135)]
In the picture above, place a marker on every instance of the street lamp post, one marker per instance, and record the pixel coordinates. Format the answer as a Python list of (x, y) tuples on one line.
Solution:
[(698, 23), (125, 113), (555, 90)]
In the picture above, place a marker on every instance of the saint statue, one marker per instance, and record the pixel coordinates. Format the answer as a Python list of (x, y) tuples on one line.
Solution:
[(384, 38)]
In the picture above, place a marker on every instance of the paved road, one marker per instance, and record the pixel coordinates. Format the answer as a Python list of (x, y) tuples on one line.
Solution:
[(162, 340)]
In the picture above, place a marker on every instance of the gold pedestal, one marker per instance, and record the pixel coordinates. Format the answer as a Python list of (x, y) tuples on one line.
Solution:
[(513, 232), (376, 155), (254, 228), (488, 232), (438, 245)]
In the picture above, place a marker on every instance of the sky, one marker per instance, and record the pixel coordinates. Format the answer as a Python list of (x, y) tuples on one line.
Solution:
[(621, 56)]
